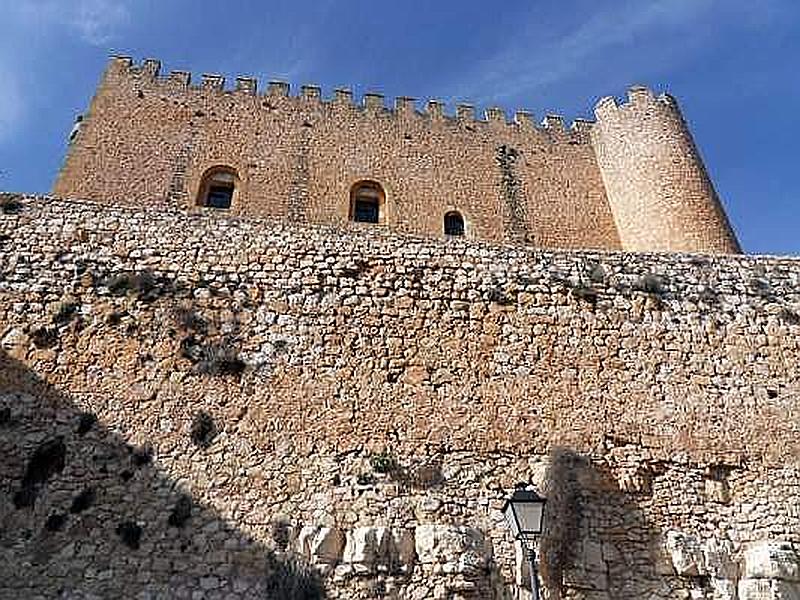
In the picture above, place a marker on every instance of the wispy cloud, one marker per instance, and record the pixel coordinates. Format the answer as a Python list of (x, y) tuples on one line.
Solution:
[(11, 103), (299, 45), (536, 59), (35, 27), (94, 22)]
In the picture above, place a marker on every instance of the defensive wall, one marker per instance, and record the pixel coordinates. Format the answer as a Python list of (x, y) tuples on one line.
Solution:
[(632, 181), (188, 400)]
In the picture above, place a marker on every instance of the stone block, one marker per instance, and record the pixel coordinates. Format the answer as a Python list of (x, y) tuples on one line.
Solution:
[(321, 546), (378, 550), (772, 560), (455, 549), (768, 589), (686, 554)]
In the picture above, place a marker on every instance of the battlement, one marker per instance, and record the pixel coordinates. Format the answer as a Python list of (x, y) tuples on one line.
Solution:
[(371, 102), (428, 167), (638, 96)]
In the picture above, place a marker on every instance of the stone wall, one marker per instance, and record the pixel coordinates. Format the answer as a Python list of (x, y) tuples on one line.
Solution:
[(270, 395), (658, 188), (149, 139)]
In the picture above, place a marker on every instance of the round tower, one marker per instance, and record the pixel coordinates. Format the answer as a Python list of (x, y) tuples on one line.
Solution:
[(658, 189)]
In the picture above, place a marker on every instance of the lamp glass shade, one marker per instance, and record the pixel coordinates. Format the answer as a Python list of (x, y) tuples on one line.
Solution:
[(524, 512)]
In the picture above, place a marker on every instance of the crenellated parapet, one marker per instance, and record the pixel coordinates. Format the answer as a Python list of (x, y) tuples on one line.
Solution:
[(656, 184), (148, 72)]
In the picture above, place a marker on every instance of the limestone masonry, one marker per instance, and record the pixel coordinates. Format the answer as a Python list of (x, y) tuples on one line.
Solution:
[(280, 348), (631, 181), (190, 402)]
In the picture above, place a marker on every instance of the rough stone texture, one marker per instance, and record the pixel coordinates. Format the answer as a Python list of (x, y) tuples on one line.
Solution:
[(771, 572), (148, 139), (657, 186), (377, 390)]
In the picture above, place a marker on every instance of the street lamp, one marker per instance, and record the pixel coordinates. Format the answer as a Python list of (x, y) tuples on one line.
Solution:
[(524, 512)]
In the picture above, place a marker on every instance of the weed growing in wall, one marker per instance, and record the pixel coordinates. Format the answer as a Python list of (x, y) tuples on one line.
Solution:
[(650, 283), (142, 456), (356, 269), (143, 285), (383, 463), (188, 320), (597, 274), (130, 533), (181, 512), (291, 579), (365, 479), (203, 430), (86, 421), (220, 359), (10, 204), (114, 318), (585, 293), (280, 534), (44, 337), (212, 358), (66, 311)]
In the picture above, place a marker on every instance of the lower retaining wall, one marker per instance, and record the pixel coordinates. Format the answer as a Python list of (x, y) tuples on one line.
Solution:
[(194, 406)]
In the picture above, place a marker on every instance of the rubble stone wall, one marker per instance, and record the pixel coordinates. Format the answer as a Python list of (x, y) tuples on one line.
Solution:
[(365, 401)]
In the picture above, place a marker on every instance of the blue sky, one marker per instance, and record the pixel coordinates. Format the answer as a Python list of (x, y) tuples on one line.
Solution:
[(733, 64)]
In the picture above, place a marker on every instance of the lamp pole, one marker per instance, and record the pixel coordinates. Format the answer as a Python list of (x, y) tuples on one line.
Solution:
[(524, 514), (531, 551)]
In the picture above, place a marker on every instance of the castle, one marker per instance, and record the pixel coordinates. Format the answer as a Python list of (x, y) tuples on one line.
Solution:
[(221, 379), (631, 181)]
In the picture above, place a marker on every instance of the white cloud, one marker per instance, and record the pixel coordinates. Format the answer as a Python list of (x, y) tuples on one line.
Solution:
[(95, 22), (536, 59)]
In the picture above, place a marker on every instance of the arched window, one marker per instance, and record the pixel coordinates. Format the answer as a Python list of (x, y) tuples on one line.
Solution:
[(453, 223), (367, 202), (217, 187)]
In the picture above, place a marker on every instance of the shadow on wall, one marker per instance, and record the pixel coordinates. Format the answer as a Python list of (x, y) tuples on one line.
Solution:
[(85, 515), (598, 542)]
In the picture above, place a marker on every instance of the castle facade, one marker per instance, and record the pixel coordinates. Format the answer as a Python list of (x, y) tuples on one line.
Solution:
[(633, 180)]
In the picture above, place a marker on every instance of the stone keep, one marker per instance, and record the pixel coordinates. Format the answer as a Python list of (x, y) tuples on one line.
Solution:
[(633, 180), (245, 404)]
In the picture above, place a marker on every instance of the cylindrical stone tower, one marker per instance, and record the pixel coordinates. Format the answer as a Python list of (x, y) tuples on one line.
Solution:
[(658, 189)]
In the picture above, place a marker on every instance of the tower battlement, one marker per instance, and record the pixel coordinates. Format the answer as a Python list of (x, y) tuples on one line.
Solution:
[(307, 155)]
